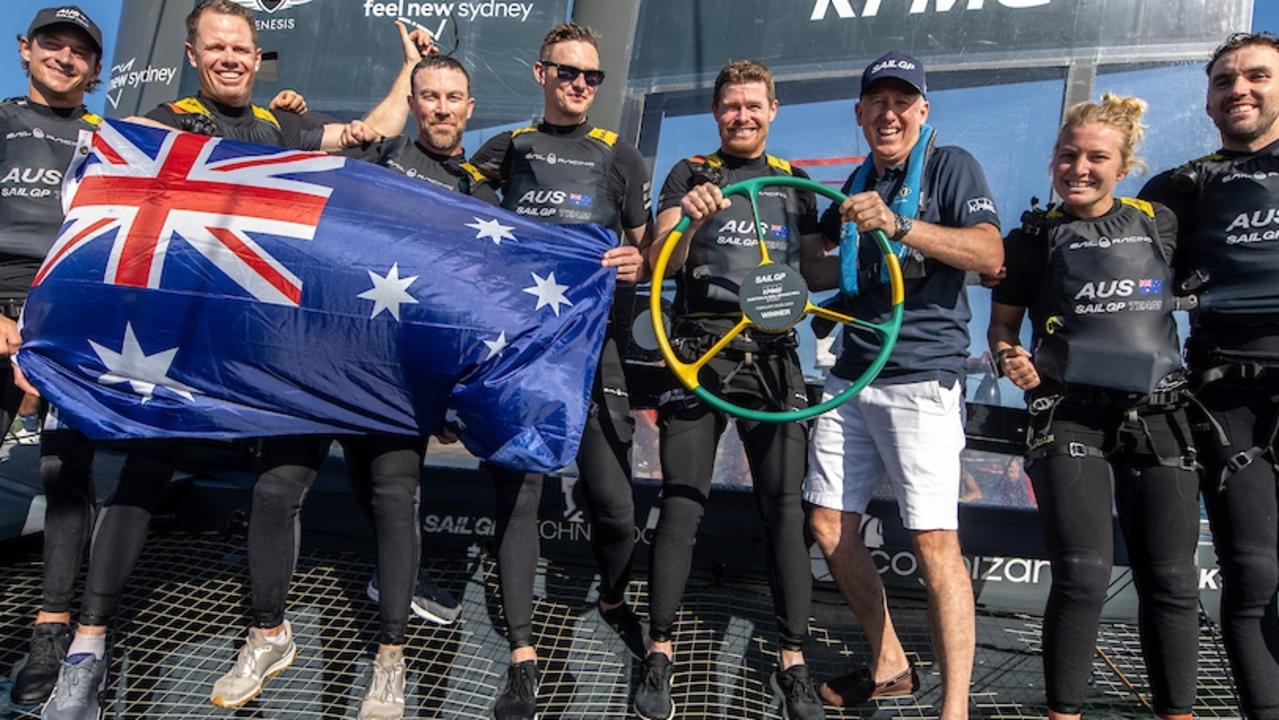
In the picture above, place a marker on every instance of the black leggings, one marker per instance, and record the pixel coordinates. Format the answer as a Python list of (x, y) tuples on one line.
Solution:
[(290, 464), (1159, 514), (604, 470), (776, 453), (66, 463), (1245, 530)]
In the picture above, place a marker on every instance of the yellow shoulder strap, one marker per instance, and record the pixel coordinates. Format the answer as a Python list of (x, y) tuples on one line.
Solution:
[(780, 164), (520, 131), (265, 115), (608, 137), (711, 160), (189, 106), (1141, 205), (92, 119), (474, 172)]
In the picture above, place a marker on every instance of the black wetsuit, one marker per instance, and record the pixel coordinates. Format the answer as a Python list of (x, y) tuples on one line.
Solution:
[(1227, 205), (38, 148), (38, 144), (413, 159), (386, 469), (249, 124), (571, 175), (757, 370), (1084, 438)]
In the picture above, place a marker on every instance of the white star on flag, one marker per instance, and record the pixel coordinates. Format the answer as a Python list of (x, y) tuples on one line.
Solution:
[(496, 346), (390, 292), (491, 229), (548, 292), (144, 373)]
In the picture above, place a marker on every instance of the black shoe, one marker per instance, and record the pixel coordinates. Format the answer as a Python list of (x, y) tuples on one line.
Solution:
[(623, 621), (799, 697), (653, 698), (518, 700), (49, 643)]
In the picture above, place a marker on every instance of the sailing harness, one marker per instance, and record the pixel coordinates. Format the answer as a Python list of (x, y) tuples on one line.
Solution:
[(1233, 459), (1133, 410)]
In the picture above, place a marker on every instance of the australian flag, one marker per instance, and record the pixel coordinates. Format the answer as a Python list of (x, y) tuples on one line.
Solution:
[(207, 288)]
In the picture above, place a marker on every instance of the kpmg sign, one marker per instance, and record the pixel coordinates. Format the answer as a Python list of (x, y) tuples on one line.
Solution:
[(693, 38)]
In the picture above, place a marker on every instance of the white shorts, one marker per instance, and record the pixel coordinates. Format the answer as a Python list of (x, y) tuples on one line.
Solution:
[(910, 434)]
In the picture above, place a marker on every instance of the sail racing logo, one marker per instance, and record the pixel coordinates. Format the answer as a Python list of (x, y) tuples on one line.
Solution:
[(844, 9)]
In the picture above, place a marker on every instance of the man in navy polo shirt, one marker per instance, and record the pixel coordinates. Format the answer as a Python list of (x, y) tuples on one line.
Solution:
[(907, 427)]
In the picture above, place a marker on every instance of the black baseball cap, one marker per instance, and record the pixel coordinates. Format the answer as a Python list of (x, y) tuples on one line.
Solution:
[(67, 15), (895, 65)]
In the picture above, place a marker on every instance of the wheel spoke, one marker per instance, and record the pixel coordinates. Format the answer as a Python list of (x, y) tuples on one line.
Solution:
[(720, 344), (879, 329)]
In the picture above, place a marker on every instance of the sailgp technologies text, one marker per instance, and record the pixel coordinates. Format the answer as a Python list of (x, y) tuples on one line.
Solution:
[(482, 10)]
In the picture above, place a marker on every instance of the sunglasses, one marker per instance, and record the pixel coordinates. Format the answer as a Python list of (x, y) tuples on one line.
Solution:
[(568, 73)]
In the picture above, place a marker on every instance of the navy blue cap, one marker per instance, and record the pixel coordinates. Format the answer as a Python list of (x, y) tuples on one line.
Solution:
[(67, 15), (898, 65)]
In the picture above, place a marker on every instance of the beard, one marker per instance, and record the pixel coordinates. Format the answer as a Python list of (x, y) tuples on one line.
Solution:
[(443, 140), (1246, 133)]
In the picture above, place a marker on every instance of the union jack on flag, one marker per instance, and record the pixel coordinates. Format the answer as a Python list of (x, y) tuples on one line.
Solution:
[(182, 190), (1150, 286), (208, 288)]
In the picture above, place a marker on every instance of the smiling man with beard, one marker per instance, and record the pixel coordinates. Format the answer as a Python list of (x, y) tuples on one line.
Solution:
[(441, 103), (1228, 255)]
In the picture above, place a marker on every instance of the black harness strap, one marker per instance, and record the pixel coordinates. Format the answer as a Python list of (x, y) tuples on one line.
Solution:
[(1234, 460)]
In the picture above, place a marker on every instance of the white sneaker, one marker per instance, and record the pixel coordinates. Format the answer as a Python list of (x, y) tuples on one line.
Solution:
[(385, 697), (260, 658)]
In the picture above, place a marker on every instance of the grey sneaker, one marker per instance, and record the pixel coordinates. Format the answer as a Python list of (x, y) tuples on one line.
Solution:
[(430, 602), (384, 699), (653, 697), (258, 660), (81, 680)]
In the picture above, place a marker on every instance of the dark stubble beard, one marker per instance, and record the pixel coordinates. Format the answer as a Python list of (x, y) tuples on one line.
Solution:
[(1246, 135)]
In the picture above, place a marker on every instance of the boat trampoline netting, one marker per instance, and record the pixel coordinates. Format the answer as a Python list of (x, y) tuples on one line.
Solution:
[(182, 617)]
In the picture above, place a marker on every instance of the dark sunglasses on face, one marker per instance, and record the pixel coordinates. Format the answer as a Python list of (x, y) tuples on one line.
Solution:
[(568, 73)]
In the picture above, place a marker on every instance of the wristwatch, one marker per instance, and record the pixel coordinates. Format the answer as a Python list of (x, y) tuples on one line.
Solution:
[(904, 225)]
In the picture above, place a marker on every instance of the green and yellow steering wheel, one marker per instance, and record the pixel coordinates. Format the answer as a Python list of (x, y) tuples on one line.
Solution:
[(774, 298)]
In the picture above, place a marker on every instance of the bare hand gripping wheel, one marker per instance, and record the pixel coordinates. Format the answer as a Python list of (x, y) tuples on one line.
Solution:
[(773, 299)]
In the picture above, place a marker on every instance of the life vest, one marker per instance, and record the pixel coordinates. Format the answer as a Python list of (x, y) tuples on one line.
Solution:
[(1233, 240), (34, 156), (1110, 296), (562, 178), (726, 246)]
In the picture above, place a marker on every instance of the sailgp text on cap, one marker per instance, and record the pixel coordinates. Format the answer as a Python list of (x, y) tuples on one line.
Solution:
[(895, 65), (67, 15)]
